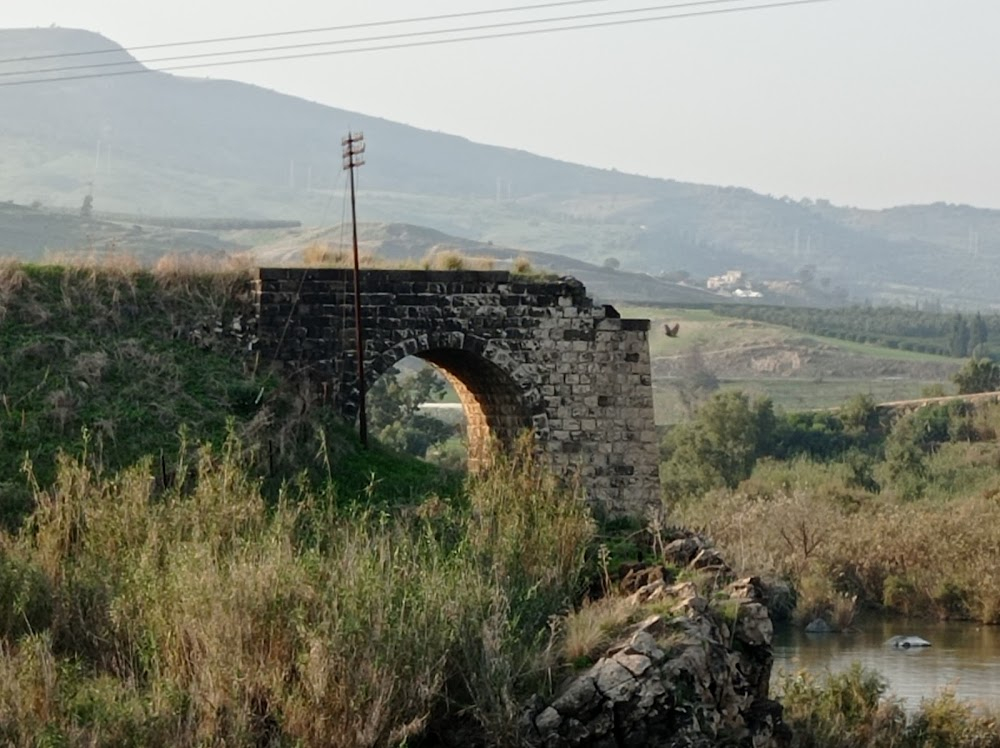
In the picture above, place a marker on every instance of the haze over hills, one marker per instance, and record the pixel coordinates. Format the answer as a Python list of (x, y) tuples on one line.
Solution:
[(157, 144)]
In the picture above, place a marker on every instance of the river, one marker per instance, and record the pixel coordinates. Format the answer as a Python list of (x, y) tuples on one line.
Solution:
[(964, 657)]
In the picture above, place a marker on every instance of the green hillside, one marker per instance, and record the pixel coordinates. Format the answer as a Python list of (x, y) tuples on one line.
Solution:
[(122, 364), (798, 371)]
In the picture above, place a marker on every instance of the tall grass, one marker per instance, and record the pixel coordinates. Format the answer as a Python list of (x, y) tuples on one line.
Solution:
[(201, 615), (851, 710), (838, 544)]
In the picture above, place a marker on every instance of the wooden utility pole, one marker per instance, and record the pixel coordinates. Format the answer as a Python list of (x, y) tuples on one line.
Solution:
[(354, 148)]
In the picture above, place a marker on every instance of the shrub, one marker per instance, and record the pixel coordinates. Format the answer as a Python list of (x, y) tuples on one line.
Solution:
[(978, 375)]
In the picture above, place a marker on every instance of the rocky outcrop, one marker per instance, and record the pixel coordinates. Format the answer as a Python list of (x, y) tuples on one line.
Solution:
[(694, 672)]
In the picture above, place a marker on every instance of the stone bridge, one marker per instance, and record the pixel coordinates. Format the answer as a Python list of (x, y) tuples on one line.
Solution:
[(522, 353)]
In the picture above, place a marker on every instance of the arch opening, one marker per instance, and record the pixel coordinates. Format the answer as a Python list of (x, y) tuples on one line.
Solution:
[(448, 406), (495, 411)]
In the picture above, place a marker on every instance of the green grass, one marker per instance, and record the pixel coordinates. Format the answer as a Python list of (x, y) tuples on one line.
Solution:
[(708, 330), (876, 351), (119, 362)]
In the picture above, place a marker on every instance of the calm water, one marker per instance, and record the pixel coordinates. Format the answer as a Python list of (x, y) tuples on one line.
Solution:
[(964, 657)]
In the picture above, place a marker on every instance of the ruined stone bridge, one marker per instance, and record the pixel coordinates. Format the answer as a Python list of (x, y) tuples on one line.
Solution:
[(522, 353)]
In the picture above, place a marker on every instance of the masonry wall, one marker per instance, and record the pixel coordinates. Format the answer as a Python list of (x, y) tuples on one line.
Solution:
[(521, 353)]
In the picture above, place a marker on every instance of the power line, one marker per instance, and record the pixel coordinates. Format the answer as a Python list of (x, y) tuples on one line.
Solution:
[(316, 30), (381, 38), (415, 44)]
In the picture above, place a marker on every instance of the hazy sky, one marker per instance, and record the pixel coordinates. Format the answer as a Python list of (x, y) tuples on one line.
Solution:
[(865, 102)]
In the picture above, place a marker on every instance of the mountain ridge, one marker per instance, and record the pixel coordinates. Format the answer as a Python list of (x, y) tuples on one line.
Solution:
[(161, 144)]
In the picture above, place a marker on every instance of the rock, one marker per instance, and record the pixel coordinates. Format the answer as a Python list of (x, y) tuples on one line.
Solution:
[(710, 560), (680, 678), (753, 625), (639, 576), (682, 551), (818, 626), (907, 642)]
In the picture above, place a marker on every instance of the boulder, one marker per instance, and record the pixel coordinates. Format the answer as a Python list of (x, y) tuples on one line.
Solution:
[(693, 673), (907, 642), (818, 626)]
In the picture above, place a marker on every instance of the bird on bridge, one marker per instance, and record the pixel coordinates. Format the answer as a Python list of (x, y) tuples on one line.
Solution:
[(671, 331)]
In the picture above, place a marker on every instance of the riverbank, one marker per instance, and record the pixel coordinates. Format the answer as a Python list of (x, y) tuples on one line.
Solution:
[(963, 659), (853, 709)]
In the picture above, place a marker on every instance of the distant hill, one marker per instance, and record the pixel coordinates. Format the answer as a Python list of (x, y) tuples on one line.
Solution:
[(404, 242), (157, 144)]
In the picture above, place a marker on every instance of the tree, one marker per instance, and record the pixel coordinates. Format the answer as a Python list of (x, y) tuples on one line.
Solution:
[(87, 209), (958, 342), (394, 411), (612, 263), (978, 375), (696, 382), (979, 334), (720, 447), (861, 418), (905, 457)]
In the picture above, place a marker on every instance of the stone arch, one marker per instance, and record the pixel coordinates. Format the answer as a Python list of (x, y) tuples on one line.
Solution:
[(529, 351), (498, 402)]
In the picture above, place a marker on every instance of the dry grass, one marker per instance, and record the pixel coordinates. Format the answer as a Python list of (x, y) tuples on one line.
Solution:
[(592, 628), (12, 280), (522, 266), (202, 617), (924, 558)]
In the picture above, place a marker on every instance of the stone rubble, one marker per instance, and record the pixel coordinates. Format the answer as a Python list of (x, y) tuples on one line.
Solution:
[(694, 672)]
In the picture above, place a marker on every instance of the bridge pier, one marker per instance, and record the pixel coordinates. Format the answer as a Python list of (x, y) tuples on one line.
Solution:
[(522, 353)]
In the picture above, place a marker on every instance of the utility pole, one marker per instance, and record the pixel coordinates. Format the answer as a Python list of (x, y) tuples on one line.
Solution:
[(354, 148)]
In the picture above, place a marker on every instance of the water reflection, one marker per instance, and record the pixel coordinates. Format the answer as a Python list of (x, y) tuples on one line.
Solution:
[(964, 658)]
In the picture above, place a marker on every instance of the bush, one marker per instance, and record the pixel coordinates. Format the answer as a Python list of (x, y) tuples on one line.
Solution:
[(720, 447), (978, 375)]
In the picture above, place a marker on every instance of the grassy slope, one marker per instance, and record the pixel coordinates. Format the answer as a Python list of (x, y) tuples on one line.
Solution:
[(119, 363), (720, 339)]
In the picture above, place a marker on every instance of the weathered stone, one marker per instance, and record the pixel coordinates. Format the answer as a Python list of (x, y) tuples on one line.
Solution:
[(818, 626), (579, 698), (640, 576), (753, 625), (702, 692), (548, 721), (636, 664), (682, 551), (709, 559), (614, 681), (516, 350)]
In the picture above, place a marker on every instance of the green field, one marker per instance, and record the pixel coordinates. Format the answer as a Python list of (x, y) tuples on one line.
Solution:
[(725, 344)]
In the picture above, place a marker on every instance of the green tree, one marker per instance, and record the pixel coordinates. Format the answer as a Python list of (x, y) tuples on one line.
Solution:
[(394, 416), (958, 342), (861, 419), (905, 457), (978, 375), (979, 334), (720, 447)]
